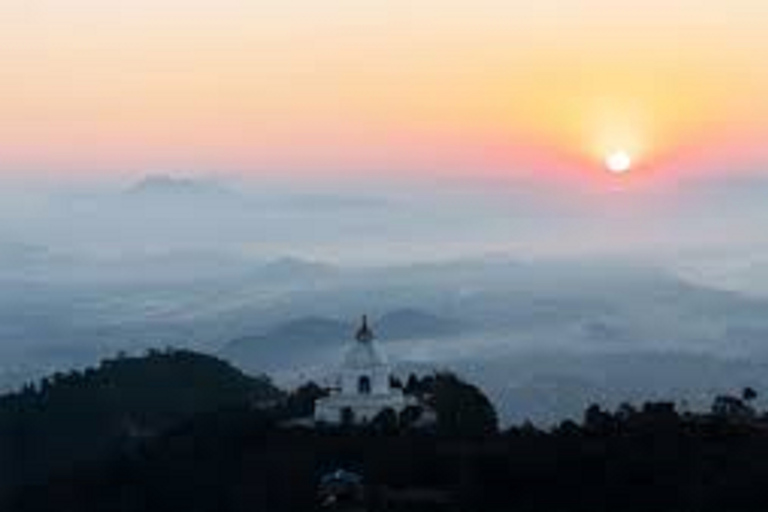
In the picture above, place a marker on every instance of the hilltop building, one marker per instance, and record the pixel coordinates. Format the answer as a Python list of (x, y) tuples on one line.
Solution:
[(363, 387)]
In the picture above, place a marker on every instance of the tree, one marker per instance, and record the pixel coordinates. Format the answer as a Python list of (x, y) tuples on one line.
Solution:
[(732, 408), (385, 422), (625, 412), (412, 385), (462, 409), (302, 401), (596, 420), (748, 394), (347, 417), (410, 415), (567, 428)]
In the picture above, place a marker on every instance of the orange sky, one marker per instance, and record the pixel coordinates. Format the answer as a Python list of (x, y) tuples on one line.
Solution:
[(380, 86)]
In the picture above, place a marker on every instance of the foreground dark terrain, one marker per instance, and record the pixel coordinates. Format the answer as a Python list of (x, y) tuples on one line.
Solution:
[(181, 431)]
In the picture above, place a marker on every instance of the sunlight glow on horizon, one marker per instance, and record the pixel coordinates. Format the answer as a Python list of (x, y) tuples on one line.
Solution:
[(421, 87)]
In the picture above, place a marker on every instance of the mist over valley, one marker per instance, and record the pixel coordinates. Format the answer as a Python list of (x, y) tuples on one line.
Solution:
[(251, 276)]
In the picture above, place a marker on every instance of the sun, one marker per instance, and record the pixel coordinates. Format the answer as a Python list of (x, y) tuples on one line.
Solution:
[(618, 162)]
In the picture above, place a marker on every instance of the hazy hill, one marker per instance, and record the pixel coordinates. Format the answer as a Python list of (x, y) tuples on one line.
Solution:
[(313, 339), (548, 387), (292, 272), (404, 324), (292, 343), (168, 187)]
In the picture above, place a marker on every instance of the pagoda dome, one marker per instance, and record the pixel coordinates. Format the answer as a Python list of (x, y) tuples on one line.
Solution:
[(362, 356)]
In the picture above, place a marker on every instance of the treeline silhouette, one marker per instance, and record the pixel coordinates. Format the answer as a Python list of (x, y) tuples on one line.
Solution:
[(248, 454)]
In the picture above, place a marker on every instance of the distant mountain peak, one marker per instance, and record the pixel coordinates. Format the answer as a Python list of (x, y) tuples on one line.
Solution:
[(168, 185)]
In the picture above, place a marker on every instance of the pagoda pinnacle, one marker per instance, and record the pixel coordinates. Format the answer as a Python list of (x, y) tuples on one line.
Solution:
[(364, 333)]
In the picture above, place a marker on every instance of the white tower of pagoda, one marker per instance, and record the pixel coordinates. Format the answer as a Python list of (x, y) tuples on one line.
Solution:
[(364, 384)]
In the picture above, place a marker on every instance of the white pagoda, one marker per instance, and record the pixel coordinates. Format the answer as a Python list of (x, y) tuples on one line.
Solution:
[(363, 385)]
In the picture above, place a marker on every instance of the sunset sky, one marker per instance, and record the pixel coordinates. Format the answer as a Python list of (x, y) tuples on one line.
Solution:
[(393, 87)]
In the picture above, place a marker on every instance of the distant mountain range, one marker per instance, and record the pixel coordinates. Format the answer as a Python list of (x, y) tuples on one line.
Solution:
[(306, 339), (170, 188), (164, 186)]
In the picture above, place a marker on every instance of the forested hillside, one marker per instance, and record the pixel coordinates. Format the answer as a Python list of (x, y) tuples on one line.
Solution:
[(80, 416)]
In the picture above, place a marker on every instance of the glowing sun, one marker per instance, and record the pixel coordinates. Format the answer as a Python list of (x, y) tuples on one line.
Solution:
[(618, 162)]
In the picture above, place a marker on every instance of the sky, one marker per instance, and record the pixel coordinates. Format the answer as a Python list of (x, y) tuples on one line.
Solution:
[(425, 89)]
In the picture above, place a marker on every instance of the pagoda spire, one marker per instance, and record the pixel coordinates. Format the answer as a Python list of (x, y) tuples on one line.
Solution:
[(364, 333)]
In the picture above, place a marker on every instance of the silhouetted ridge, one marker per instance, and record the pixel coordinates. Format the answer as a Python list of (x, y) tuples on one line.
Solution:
[(78, 416), (643, 458), (231, 456)]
